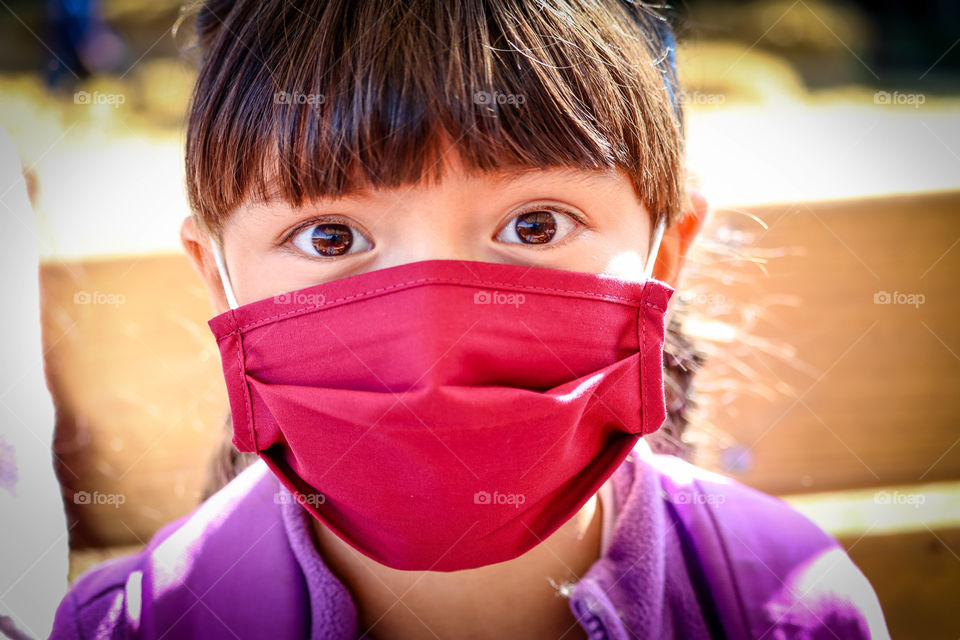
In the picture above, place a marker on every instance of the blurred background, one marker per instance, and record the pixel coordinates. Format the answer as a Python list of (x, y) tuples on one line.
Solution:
[(826, 137)]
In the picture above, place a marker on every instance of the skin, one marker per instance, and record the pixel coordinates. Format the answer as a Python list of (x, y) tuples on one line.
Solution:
[(463, 216)]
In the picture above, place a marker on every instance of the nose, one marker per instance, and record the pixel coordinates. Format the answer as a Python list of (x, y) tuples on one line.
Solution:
[(436, 234)]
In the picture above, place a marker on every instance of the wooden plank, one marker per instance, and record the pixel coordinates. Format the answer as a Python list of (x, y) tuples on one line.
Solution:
[(882, 510), (916, 577), (140, 398), (870, 396)]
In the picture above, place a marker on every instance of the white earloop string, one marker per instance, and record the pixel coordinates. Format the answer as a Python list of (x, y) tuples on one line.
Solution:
[(224, 277), (654, 248)]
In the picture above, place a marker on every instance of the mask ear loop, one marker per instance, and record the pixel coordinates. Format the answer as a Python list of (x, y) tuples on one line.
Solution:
[(224, 278), (654, 248)]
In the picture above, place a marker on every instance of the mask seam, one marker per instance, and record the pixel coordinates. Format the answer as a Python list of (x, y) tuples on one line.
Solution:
[(241, 362), (641, 326), (580, 294), (257, 323)]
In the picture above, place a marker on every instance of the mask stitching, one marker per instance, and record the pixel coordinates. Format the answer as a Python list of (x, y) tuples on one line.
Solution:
[(641, 325), (241, 363), (256, 324), (581, 294)]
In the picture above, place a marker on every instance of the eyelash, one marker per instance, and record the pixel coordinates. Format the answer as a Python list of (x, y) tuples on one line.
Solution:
[(331, 219), (552, 208), (334, 219), (306, 224)]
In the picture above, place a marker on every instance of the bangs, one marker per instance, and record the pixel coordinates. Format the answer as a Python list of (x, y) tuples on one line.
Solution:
[(297, 103)]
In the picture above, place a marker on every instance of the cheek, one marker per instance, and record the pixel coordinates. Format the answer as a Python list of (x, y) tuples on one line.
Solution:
[(268, 273), (259, 274), (621, 250), (256, 279), (627, 265)]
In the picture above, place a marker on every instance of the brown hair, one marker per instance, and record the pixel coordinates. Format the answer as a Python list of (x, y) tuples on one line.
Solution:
[(298, 101)]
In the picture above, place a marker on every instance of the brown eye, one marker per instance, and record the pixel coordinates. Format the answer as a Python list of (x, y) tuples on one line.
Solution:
[(538, 227), (330, 239)]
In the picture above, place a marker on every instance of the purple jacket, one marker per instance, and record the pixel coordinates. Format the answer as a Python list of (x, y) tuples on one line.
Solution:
[(685, 554)]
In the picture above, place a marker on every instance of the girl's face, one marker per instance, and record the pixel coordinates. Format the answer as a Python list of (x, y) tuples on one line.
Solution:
[(568, 219)]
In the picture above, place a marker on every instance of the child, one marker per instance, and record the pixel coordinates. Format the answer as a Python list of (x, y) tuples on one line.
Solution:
[(441, 238)]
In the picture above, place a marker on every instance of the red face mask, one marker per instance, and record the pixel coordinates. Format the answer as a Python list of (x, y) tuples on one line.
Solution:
[(445, 414)]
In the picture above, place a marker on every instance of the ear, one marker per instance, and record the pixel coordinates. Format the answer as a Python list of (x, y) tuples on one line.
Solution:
[(678, 237), (196, 244)]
